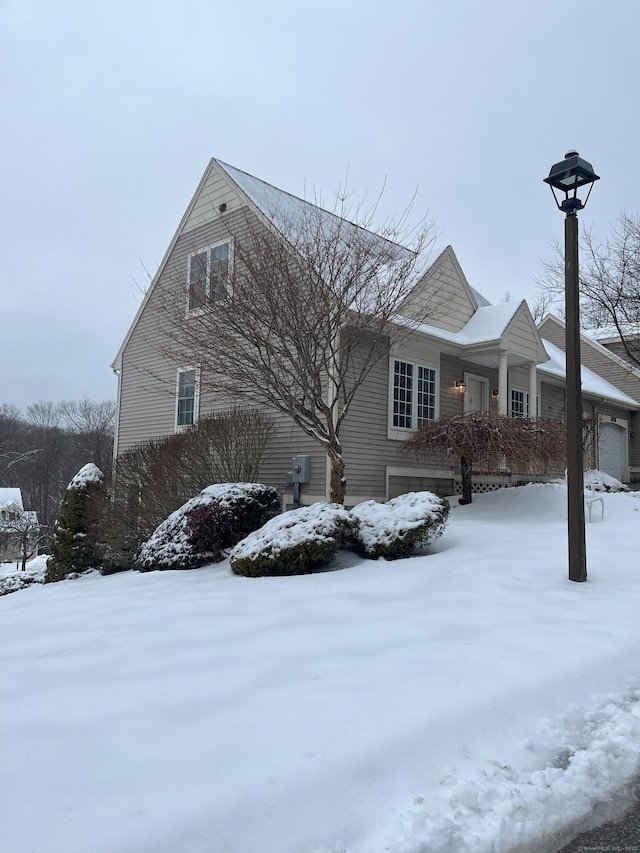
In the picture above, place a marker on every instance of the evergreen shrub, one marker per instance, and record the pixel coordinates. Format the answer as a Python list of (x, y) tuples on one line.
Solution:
[(294, 543), (73, 540), (217, 518), (399, 527)]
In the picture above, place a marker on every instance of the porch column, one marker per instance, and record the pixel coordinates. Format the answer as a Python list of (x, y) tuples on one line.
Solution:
[(533, 389), (503, 407)]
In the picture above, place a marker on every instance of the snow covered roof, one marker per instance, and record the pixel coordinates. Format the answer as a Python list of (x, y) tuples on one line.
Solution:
[(287, 212), (283, 210), (482, 301), (592, 383), (487, 325), (586, 336), (10, 497)]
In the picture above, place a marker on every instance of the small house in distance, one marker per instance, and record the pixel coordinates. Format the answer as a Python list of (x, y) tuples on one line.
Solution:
[(18, 527)]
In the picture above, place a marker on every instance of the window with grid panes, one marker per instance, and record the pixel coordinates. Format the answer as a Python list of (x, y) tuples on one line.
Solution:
[(186, 409), (413, 394), (208, 275)]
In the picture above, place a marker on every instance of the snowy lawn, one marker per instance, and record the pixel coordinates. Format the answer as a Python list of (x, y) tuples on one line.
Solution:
[(473, 699)]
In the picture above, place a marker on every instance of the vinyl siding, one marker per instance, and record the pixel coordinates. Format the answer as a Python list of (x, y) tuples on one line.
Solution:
[(367, 449), (551, 401), (148, 380), (597, 359), (611, 369), (442, 298), (519, 338), (216, 190), (553, 332)]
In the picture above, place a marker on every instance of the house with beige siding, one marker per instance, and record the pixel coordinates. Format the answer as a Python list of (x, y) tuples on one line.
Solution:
[(616, 422), (469, 356)]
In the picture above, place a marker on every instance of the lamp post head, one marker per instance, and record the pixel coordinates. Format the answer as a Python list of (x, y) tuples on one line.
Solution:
[(568, 176)]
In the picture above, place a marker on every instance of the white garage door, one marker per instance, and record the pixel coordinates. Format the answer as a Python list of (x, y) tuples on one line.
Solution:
[(610, 449)]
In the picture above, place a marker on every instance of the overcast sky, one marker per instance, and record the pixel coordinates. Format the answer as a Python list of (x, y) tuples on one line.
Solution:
[(112, 110)]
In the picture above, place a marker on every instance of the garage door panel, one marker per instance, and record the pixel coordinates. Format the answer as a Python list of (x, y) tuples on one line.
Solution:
[(610, 449)]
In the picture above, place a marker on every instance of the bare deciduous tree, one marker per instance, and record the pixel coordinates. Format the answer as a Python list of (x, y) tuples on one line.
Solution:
[(155, 478), (307, 312), (40, 452), (24, 533), (609, 282), (493, 443), (93, 424)]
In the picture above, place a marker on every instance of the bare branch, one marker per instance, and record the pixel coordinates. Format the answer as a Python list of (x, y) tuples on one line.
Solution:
[(309, 310), (492, 443), (609, 283)]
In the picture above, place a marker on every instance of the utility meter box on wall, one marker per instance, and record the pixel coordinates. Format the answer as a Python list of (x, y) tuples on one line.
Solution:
[(301, 472)]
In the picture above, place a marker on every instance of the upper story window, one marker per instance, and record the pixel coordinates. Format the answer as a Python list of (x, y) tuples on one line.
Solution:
[(209, 275), (186, 397), (414, 394)]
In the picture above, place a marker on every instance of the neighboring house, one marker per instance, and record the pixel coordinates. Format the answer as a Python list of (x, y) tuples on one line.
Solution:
[(616, 422), (471, 356), (17, 526)]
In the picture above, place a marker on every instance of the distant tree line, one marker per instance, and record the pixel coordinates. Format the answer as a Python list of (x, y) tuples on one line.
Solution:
[(42, 449)]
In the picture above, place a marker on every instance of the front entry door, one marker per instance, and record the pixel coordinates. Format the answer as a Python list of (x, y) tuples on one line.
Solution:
[(476, 394)]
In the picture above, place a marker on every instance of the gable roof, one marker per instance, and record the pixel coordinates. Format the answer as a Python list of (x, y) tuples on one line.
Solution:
[(11, 497), (445, 288), (493, 327), (491, 322), (285, 210), (623, 370), (592, 383), (278, 208)]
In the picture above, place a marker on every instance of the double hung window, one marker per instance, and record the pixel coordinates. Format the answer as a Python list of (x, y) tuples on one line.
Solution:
[(186, 397), (209, 275), (413, 394)]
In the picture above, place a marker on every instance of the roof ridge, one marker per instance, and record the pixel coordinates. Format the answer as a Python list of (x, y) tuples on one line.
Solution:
[(229, 169)]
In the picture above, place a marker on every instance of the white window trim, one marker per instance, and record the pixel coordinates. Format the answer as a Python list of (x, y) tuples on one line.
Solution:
[(196, 398), (402, 433), (526, 402), (208, 249)]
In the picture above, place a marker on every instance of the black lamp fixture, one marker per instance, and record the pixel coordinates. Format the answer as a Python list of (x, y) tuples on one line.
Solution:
[(568, 176)]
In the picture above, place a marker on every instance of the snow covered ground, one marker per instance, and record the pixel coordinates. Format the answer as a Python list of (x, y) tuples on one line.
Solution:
[(469, 700)]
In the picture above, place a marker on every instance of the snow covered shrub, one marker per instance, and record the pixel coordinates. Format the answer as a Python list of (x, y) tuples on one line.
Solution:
[(73, 545), (218, 517), (155, 478), (209, 523), (251, 505), (397, 528), (295, 542)]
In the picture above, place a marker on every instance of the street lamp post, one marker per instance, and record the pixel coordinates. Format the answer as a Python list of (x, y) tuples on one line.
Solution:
[(567, 177)]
